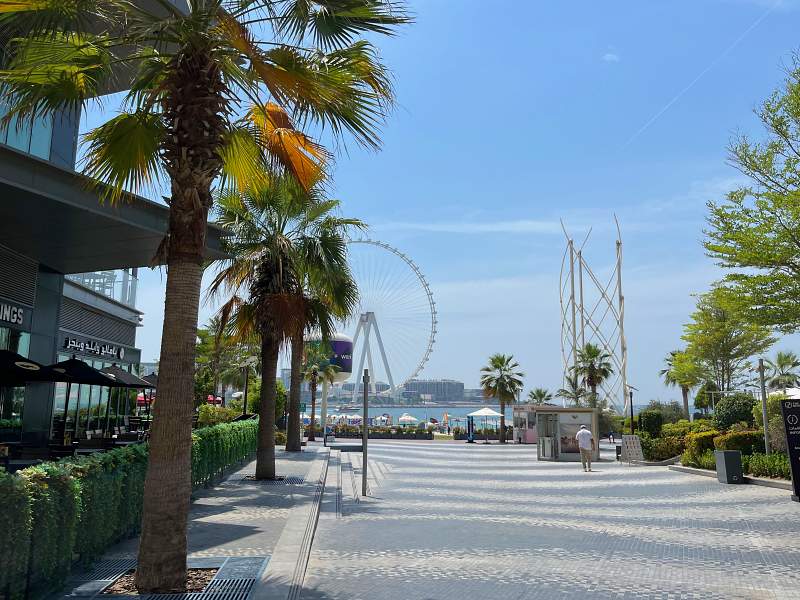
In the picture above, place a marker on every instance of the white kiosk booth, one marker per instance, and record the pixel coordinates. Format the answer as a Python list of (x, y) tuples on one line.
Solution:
[(555, 428)]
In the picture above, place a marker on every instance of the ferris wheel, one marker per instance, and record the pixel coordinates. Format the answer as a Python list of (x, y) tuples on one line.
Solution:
[(394, 326)]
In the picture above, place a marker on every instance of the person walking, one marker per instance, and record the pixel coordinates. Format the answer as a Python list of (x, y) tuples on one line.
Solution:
[(586, 446)]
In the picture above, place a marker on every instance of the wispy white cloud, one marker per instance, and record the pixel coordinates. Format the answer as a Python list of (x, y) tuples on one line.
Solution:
[(611, 57)]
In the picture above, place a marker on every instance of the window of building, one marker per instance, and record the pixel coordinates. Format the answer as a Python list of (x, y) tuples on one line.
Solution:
[(12, 399), (32, 138)]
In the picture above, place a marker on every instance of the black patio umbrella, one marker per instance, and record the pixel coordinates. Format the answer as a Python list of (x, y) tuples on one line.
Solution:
[(16, 370)]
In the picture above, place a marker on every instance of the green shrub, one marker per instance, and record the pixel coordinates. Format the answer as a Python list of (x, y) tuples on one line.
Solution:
[(773, 409), (697, 443), (15, 524), (218, 446), (280, 438), (747, 442), (772, 465), (678, 429), (703, 460), (733, 409), (651, 421), (208, 414), (661, 448)]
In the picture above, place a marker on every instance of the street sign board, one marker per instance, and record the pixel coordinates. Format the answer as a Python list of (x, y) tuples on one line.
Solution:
[(303, 407), (790, 409), (631, 448)]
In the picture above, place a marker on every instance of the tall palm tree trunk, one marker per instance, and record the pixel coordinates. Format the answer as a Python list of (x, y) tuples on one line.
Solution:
[(685, 392), (265, 454), (502, 422), (311, 437), (193, 109), (293, 426)]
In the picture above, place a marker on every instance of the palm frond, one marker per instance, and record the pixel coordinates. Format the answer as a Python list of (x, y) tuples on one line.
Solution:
[(123, 153), (336, 23), (48, 74)]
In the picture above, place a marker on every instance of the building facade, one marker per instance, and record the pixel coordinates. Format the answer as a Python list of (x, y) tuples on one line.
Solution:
[(434, 390), (67, 276)]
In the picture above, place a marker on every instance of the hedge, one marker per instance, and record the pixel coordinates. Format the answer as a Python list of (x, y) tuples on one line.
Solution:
[(762, 465), (747, 442), (661, 448), (57, 513)]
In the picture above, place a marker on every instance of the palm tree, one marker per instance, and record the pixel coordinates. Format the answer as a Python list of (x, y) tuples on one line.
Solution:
[(681, 371), (502, 381), (593, 367), (330, 293), (317, 368), (191, 69), (784, 371), (539, 396), (285, 239), (573, 390)]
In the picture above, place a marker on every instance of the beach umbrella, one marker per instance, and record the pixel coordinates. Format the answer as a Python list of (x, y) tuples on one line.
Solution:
[(407, 419)]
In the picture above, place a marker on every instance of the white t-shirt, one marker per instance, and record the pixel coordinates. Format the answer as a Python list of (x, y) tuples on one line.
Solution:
[(584, 437)]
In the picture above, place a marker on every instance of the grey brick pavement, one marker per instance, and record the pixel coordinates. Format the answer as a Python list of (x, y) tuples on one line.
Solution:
[(239, 517), (452, 521)]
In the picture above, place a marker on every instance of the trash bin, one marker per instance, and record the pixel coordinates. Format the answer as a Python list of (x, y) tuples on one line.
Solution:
[(729, 466), (619, 452)]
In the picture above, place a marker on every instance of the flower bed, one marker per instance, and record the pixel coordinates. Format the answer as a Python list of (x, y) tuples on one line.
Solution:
[(57, 513)]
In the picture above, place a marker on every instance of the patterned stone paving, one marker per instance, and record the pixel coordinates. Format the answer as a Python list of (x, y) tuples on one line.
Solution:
[(238, 517), (452, 521)]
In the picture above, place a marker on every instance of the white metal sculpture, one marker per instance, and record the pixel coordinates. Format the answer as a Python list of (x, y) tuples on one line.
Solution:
[(397, 313), (593, 312)]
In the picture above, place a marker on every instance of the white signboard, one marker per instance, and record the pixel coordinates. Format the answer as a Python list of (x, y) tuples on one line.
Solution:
[(631, 448)]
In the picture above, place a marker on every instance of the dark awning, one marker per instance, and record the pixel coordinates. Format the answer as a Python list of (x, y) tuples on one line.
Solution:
[(124, 377), (152, 379), (77, 371), (49, 214)]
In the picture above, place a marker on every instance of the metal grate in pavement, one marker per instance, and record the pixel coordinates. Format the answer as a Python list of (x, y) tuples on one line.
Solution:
[(289, 480), (234, 579), (107, 569)]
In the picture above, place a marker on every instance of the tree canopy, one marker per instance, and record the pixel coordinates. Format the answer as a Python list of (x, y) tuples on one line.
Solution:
[(722, 339), (755, 232)]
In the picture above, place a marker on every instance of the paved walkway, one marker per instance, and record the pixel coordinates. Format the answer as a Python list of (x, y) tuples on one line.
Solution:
[(452, 521), (252, 530), (238, 517)]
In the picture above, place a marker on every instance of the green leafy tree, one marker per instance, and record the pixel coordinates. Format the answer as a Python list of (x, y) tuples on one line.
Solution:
[(593, 367), (754, 232), (502, 380), (539, 396), (573, 390), (682, 371), (722, 339), (191, 71), (316, 368), (784, 371)]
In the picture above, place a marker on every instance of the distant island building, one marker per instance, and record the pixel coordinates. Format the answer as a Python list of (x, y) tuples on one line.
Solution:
[(434, 390)]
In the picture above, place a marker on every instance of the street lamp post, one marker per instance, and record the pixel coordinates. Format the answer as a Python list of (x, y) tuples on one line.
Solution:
[(365, 435), (764, 403)]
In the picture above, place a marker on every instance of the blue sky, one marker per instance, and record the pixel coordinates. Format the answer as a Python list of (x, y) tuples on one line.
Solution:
[(512, 115)]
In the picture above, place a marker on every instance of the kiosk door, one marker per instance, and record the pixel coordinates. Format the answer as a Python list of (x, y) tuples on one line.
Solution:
[(547, 430)]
